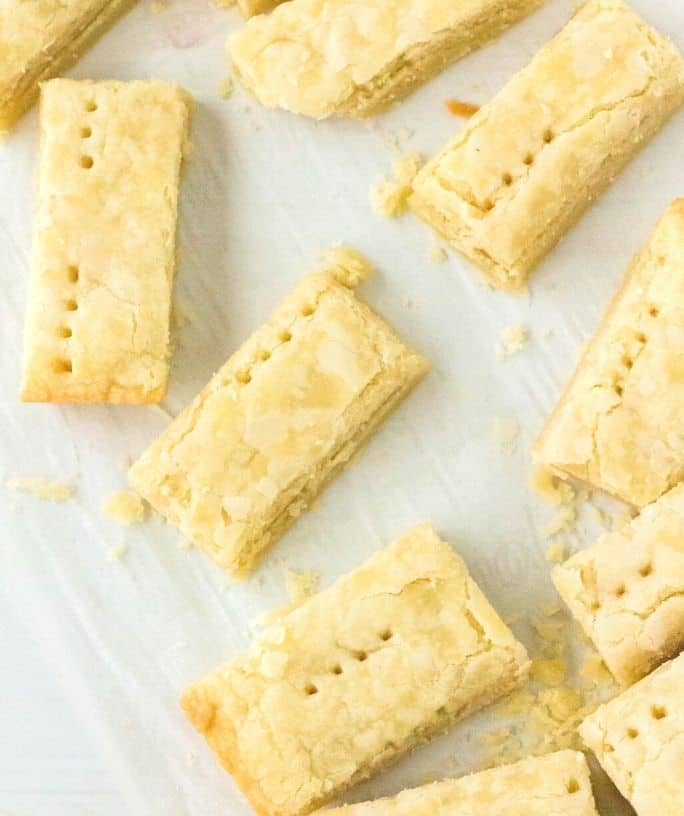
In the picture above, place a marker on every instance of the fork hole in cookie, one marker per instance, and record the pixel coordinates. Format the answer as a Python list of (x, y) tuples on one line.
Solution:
[(307, 310), (285, 336), (627, 362), (225, 516), (641, 337), (507, 179), (646, 570), (86, 132), (361, 656), (595, 606), (336, 669), (385, 635), (70, 305), (72, 274), (64, 332), (86, 162), (620, 591), (528, 160), (243, 377), (264, 355), (618, 390), (62, 366), (310, 689), (548, 136), (572, 785), (658, 712), (654, 311), (632, 733), (487, 205), (91, 105)]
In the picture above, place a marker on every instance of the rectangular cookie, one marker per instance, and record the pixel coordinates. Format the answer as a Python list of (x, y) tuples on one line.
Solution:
[(40, 39), (619, 423), (283, 415), (104, 241), (389, 656), (627, 589), (357, 57), (556, 784), (532, 160), (638, 737)]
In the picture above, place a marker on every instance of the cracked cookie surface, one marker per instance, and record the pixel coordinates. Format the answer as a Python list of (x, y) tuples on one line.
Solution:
[(104, 241), (627, 589), (532, 160), (284, 414), (638, 738), (387, 657), (557, 784), (619, 423), (356, 57)]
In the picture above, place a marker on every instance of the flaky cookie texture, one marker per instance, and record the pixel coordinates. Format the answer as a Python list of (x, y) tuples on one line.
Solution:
[(532, 160), (356, 57), (104, 241), (41, 38), (557, 784), (627, 589), (384, 659), (279, 419), (638, 737), (619, 423)]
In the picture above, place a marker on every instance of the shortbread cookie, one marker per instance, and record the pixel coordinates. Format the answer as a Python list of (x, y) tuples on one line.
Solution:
[(552, 785), (279, 419), (357, 57), (619, 423), (104, 241), (529, 163), (627, 589), (638, 738), (40, 39), (386, 658)]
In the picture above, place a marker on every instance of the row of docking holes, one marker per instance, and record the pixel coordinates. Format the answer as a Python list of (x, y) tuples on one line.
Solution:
[(244, 376), (657, 712), (627, 360), (360, 656), (86, 161), (621, 589), (62, 365), (528, 161)]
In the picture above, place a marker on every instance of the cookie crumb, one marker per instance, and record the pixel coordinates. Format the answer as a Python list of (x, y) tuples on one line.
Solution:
[(125, 507), (300, 585), (348, 266), (437, 253), (226, 87), (390, 196), (117, 552), (42, 488), (514, 339), (464, 109), (555, 554), (551, 487)]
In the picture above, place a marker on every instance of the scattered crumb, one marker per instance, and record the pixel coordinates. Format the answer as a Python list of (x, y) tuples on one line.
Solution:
[(125, 507), (226, 87), (595, 671), (42, 488), (348, 266), (458, 108), (437, 253), (551, 487), (505, 433), (555, 553), (300, 585), (514, 340), (552, 672), (390, 196), (117, 552), (564, 522)]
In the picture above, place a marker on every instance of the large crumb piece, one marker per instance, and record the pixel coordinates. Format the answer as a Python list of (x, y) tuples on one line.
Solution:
[(390, 196), (513, 340), (300, 585), (42, 488), (348, 266), (125, 507), (464, 109)]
